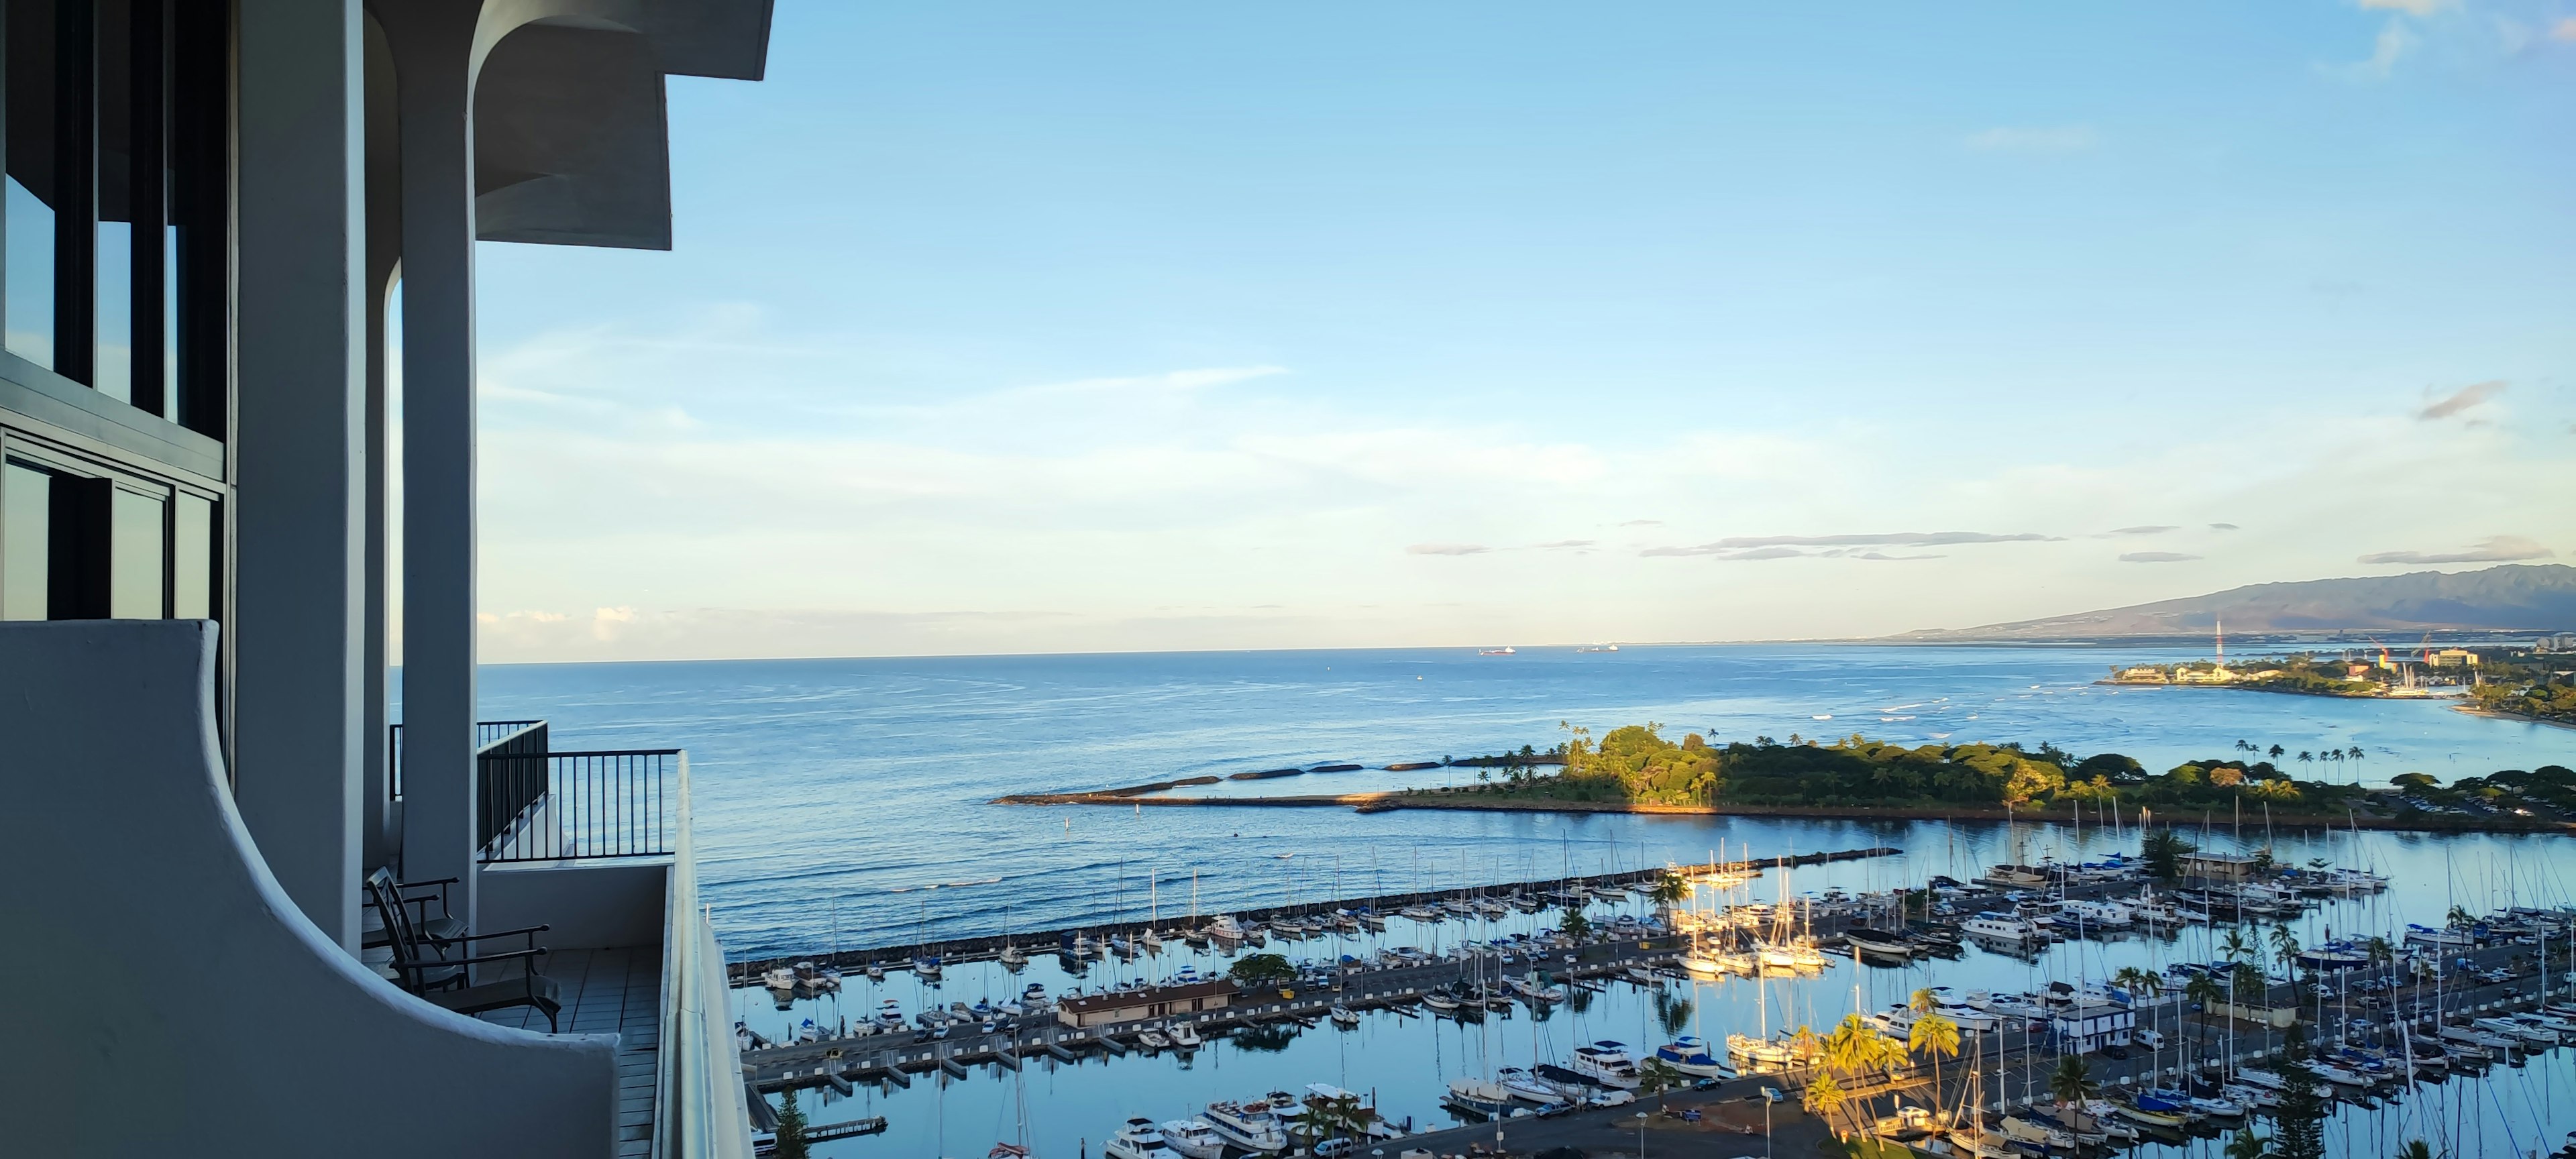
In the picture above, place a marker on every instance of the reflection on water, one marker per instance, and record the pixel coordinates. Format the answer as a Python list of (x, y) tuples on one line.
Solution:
[(1406, 1063)]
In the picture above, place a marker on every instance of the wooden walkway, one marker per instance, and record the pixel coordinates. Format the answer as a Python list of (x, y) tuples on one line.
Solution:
[(610, 992)]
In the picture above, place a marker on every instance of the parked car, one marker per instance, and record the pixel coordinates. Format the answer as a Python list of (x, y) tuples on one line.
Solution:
[(2151, 1039), (2114, 1050), (1773, 1094)]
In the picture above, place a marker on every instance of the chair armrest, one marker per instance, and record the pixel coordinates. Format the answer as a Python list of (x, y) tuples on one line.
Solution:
[(497, 934), (429, 882), (476, 960)]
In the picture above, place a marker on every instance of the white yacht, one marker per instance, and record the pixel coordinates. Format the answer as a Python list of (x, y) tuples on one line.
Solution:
[(781, 978), (2106, 915), (889, 1015), (1607, 1063), (1186, 1037), (2000, 927), (1139, 1139), (1194, 1139), (1225, 929), (1253, 1126)]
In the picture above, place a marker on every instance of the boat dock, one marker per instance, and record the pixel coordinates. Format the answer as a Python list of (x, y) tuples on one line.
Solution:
[(893, 1056), (1044, 941)]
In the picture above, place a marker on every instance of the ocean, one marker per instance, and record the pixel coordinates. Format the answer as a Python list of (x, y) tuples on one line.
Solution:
[(845, 804)]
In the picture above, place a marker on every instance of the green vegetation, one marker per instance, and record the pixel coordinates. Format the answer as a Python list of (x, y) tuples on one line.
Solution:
[(2163, 850), (1638, 765), (1253, 971), (2540, 696), (2548, 791), (791, 1129)]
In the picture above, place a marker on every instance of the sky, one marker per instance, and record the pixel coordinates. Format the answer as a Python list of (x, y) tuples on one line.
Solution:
[(1126, 326)]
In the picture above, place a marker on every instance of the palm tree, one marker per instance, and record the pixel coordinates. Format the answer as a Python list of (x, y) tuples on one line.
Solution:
[(2415, 1149), (2275, 752), (1657, 1076), (1668, 889), (2235, 946), (1935, 1035), (2285, 950), (2204, 990), (2460, 917), (1823, 1097), (2073, 1081), (2248, 1145), (2306, 757)]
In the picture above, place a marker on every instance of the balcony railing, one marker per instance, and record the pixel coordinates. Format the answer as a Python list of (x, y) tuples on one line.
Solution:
[(486, 734), (542, 806)]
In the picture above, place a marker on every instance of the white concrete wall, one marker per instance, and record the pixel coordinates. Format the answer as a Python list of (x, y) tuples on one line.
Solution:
[(165, 996), (589, 907)]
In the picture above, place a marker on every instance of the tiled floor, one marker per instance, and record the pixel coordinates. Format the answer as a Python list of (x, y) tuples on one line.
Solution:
[(611, 992)]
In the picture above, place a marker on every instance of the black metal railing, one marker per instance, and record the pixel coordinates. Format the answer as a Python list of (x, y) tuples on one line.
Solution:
[(486, 734), (579, 805)]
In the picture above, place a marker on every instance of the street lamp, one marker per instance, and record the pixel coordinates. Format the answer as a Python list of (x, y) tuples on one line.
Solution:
[(1641, 1135)]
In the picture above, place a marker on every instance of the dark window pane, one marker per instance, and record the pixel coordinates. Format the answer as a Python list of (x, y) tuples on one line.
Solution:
[(25, 531), (135, 558), (29, 275), (192, 559)]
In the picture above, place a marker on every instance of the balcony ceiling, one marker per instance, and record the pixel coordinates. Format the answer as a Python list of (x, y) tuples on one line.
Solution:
[(571, 142)]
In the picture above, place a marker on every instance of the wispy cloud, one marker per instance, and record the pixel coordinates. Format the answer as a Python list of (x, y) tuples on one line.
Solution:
[(2564, 31), (2016, 139), (2395, 40), (1643, 523), (1790, 546), (2409, 7), (2223, 527), (1561, 545), (2461, 399), (1446, 549), (2493, 549), (2156, 557), (2147, 529)]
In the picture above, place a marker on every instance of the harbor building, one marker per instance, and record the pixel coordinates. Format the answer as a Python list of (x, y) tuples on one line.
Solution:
[(1120, 1006), (2086, 1027), (348, 934), (2218, 867)]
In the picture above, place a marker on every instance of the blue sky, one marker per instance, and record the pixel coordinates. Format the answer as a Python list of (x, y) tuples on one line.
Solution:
[(1133, 326)]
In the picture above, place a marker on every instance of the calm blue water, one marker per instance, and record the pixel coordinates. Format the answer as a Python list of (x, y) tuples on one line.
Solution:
[(841, 803), (833, 795)]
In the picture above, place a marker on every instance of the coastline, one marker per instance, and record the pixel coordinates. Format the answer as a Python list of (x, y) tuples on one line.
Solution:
[(1384, 802), (2492, 714)]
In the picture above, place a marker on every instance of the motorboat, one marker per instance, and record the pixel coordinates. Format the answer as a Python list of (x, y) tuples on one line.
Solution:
[(1979, 1143), (1690, 1056), (1225, 929), (780, 978), (876, 972), (1253, 1126), (1607, 1063), (1154, 1039), (1344, 1016), (1193, 1138), (2441, 938), (1186, 1037), (1999, 927), (2036, 1134), (889, 1015), (1139, 1139)]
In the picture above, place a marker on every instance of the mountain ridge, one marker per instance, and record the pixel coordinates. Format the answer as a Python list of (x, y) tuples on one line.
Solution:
[(2510, 597)]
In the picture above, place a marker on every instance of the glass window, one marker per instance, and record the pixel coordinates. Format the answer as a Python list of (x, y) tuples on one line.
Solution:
[(26, 498), (192, 559), (135, 557), (113, 373), (29, 273)]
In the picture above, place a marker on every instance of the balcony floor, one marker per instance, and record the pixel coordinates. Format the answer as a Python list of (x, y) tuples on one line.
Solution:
[(610, 992)]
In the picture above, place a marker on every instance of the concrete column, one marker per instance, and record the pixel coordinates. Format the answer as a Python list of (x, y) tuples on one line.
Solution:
[(432, 43), (377, 820), (299, 518)]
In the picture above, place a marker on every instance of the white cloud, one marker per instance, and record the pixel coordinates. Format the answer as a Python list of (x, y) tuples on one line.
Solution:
[(2011, 139), (1447, 549), (2493, 549), (2564, 31), (2409, 7), (2156, 557)]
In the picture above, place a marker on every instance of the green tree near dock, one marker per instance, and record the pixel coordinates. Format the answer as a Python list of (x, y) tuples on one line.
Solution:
[(1255, 971), (791, 1130)]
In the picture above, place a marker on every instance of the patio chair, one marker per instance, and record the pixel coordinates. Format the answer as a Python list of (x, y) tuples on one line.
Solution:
[(445, 926), (440, 970)]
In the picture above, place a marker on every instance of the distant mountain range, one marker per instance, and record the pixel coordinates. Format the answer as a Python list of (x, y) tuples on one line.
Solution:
[(2513, 597)]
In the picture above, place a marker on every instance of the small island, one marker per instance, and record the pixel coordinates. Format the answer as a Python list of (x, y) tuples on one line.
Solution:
[(1637, 769)]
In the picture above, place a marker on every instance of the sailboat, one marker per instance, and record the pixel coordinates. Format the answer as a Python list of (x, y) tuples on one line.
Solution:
[(1012, 956)]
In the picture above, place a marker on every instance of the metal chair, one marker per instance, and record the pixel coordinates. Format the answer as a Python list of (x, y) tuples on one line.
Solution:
[(440, 970)]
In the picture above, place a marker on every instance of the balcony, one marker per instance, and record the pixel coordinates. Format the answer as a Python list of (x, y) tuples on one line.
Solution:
[(288, 1036)]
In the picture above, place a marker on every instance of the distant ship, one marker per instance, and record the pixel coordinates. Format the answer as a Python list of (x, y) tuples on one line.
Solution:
[(1598, 648), (1505, 650)]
